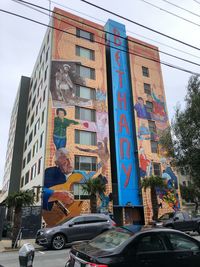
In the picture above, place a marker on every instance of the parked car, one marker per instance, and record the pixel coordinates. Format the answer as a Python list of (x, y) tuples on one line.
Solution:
[(82, 227), (180, 221), (135, 246)]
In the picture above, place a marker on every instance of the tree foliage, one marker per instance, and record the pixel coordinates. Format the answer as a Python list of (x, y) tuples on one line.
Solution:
[(17, 200), (191, 193), (186, 128), (153, 182), (94, 186)]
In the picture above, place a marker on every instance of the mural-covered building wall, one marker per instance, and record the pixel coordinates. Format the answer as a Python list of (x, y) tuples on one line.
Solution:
[(77, 146), (151, 120)]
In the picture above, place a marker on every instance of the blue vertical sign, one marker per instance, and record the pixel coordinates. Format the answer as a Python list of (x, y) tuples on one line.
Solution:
[(127, 176)]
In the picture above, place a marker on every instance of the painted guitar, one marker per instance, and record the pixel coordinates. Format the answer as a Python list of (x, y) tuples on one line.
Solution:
[(60, 212)]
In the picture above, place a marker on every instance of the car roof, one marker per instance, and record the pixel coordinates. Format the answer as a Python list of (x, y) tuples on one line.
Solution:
[(95, 214)]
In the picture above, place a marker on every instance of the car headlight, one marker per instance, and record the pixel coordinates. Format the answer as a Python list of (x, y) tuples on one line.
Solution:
[(48, 231)]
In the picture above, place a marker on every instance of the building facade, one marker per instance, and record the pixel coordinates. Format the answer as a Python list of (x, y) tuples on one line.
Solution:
[(96, 107)]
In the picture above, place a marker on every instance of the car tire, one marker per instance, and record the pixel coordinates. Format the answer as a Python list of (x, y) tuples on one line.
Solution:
[(58, 242)]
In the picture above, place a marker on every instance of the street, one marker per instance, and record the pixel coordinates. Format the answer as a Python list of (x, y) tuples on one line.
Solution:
[(43, 258)]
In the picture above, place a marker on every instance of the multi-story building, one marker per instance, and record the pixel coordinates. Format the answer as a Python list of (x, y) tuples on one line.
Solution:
[(96, 106)]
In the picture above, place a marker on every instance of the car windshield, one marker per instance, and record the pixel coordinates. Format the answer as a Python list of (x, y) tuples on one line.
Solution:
[(111, 239), (166, 216)]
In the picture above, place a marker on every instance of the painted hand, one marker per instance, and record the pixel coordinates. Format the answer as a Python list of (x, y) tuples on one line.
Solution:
[(65, 197)]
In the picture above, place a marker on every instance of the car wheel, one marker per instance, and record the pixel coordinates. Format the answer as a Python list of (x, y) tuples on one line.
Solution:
[(58, 242)]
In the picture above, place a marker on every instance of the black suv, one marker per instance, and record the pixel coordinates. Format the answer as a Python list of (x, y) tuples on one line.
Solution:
[(78, 228)]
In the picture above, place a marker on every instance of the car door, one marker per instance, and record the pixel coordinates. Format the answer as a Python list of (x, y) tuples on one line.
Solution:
[(184, 251), (95, 225), (76, 229), (147, 251)]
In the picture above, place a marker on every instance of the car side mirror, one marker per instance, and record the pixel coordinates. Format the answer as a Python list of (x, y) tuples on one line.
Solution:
[(71, 224)]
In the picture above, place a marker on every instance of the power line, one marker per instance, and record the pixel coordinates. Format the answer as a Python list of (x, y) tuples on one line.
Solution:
[(135, 54), (84, 23), (197, 2), (171, 13), (97, 19), (182, 8), (141, 25)]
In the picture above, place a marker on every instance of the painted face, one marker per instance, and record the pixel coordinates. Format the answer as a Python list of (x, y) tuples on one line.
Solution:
[(64, 164), (141, 101), (61, 114)]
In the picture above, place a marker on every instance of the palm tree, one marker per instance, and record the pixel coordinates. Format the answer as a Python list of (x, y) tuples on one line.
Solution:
[(17, 200), (153, 182), (93, 187)]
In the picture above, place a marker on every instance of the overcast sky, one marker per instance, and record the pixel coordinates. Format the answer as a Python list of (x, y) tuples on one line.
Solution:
[(20, 41)]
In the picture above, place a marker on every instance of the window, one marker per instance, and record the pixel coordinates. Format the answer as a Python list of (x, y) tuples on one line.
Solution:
[(45, 74), (154, 147), (147, 88), (41, 139), (44, 94), (85, 163), (43, 115), (29, 157), (85, 138), (47, 54), (149, 243), (79, 220), (152, 129), (37, 126), (179, 216), (35, 148), (24, 163), (84, 52), (152, 126), (156, 169), (33, 171), (33, 102), (27, 177), (85, 92), (78, 192), (86, 72), (145, 71), (39, 166), (149, 106), (85, 114), (30, 137), (25, 146), (32, 119), (22, 182), (27, 128), (84, 34), (180, 242)]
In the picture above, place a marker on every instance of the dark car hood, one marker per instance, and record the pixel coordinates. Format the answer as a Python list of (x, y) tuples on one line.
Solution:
[(86, 249)]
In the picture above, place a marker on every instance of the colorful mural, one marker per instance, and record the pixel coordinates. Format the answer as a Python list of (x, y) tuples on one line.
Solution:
[(61, 177), (151, 120)]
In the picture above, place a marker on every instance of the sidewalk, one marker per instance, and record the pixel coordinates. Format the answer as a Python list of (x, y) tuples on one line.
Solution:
[(5, 245)]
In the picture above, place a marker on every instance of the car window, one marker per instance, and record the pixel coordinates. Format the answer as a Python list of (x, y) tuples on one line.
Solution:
[(150, 242), (167, 216), (94, 219), (79, 220), (179, 216), (110, 239), (179, 242)]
